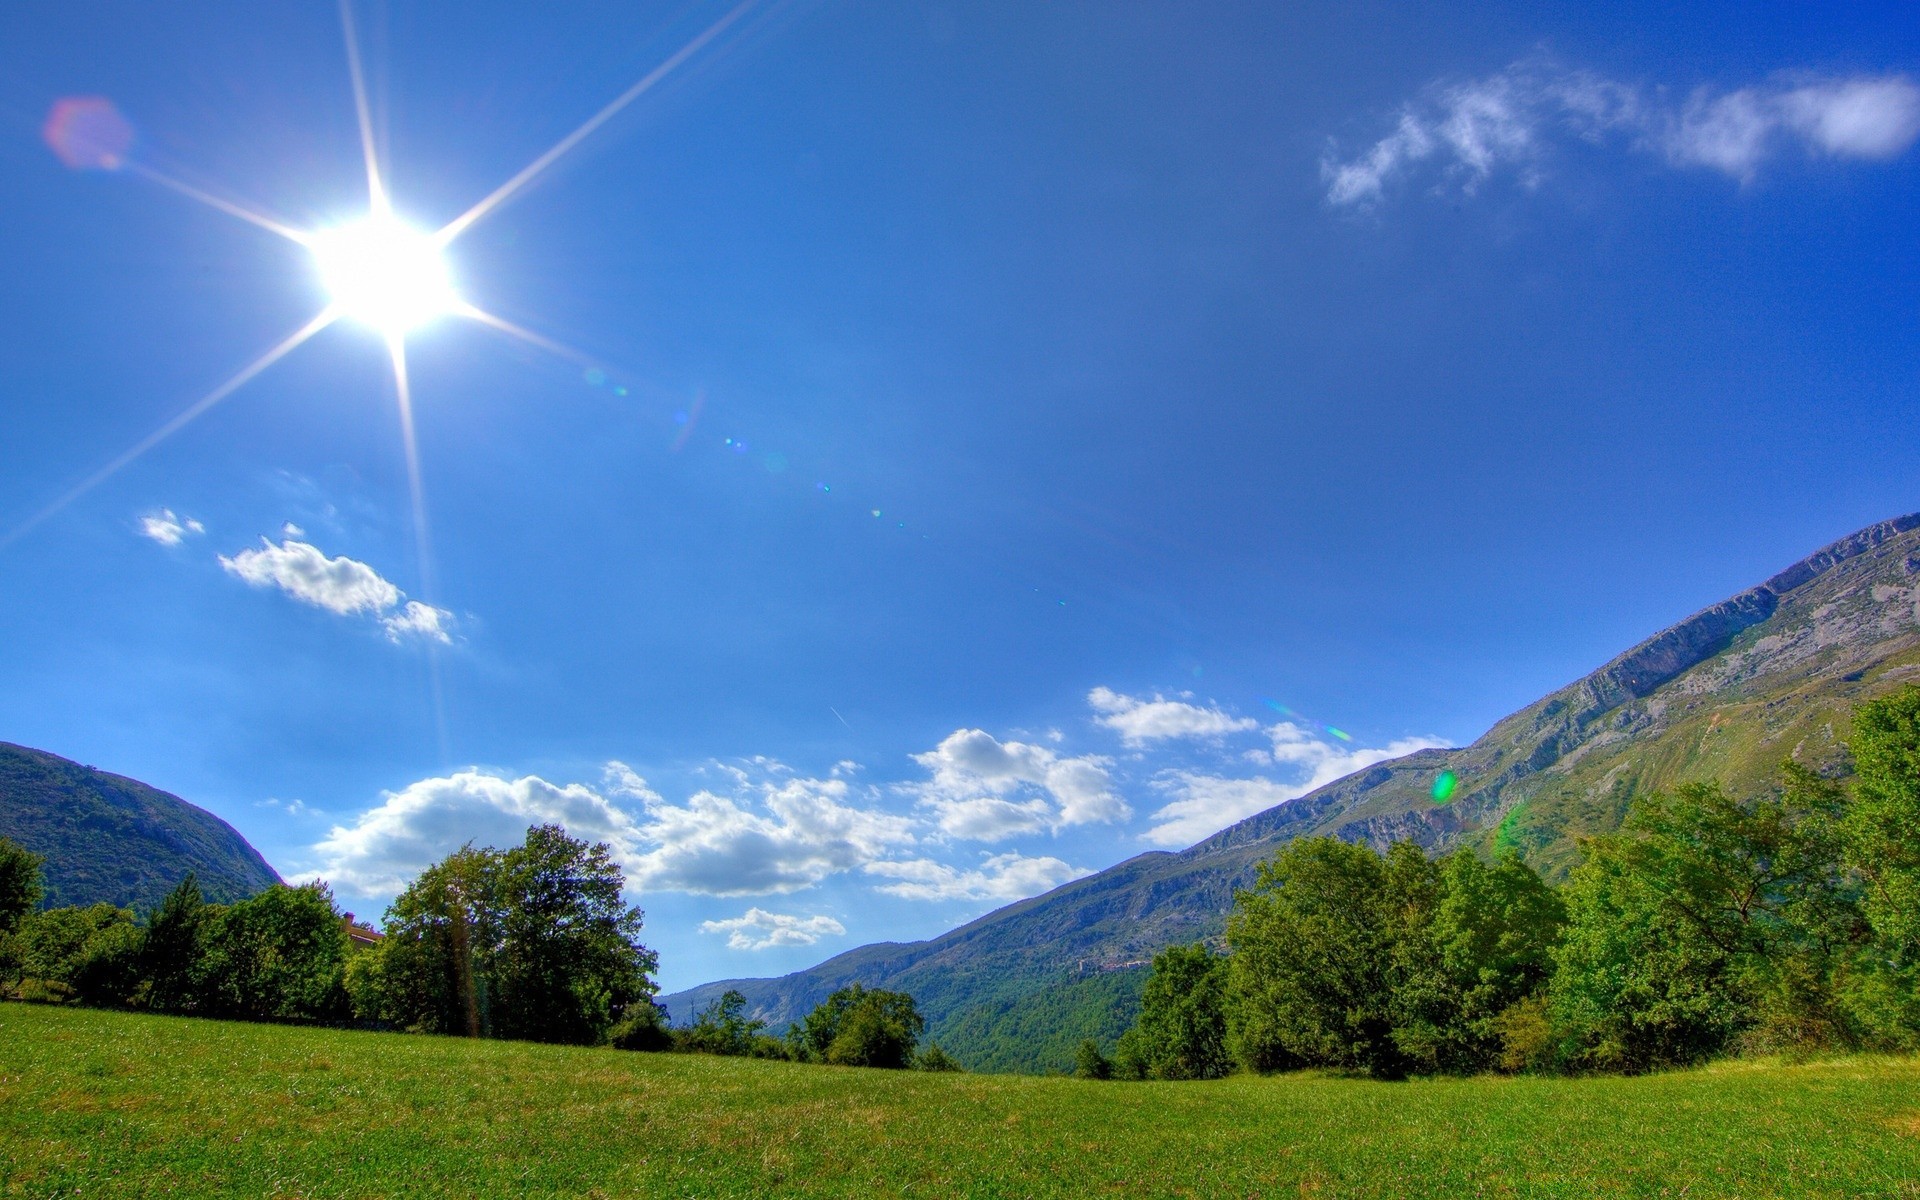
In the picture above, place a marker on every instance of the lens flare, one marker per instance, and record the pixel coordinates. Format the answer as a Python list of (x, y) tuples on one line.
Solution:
[(1444, 785), (385, 274)]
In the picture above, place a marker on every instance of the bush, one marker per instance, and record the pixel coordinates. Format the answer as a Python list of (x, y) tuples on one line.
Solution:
[(858, 1027), (644, 1027), (1089, 1063), (933, 1058)]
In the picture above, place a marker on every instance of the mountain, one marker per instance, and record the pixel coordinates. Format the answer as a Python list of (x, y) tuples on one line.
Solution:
[(1726, 694), (112, 839)]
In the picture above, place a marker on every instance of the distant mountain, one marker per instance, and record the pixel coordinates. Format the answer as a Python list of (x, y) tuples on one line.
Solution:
[(1726, 694), (112, 839)]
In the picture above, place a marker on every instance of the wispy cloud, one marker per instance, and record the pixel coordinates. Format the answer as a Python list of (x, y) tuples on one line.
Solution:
[(340, 585), (169, 529), (1005, 877), (1140, 721), (1512, 120), (758, 929)]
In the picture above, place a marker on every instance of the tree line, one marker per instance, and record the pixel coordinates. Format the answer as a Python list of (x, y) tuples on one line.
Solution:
[(1709, 924), (532, 942)]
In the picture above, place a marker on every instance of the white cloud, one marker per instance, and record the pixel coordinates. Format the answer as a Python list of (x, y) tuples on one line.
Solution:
[(758, 929), (799, 832), (1513, 119), (340, 585), (1140, 721), (291, 530), (1004, 877), (168, 529), (984, 789), (1204, 804), (386, 846)]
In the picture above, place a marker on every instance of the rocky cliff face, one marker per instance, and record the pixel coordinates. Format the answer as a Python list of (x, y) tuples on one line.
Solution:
[(1727, 693)]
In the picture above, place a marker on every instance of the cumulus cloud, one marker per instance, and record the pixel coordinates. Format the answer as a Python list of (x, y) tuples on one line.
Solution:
[(1513, 119), (783, 836), (984, 789), (169, 529), (758, 929), (340, 585), (386, 846), (1004, 877), (1203, 804), (1141, 721)]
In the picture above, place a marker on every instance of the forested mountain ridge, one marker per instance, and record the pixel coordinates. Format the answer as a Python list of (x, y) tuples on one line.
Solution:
[(109, 839), (1726, 694)]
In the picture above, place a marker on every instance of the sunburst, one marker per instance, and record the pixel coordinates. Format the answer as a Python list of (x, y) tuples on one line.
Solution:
[(380, 272)]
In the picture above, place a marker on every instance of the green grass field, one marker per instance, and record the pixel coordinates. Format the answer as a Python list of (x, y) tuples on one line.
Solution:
[(96, 1103)]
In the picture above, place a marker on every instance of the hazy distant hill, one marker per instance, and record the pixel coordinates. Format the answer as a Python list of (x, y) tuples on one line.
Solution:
[(1728, 693), (108, 838)]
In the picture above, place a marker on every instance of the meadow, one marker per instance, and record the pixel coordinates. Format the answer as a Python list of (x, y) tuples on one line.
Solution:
[(97, 1103)]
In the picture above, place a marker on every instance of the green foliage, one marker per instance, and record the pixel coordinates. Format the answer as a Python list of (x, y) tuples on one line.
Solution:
[(128, 1104), (1882, 832), (171, 951), (108, 839), (860, 1027), (279, 956), (1708, 918), (722, 1028), (1038, 1030), (1090, 1063), (1182, 1031), (933, 1058), (644, 1027), (20, 885), (88, 953), (533, 942)]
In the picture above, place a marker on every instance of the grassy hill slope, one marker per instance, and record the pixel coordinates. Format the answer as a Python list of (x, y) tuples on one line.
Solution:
[(1728, 693), (116, 840), (98, 1103)]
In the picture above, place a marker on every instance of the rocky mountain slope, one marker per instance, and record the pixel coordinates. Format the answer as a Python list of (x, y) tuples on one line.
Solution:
[(116, 840)]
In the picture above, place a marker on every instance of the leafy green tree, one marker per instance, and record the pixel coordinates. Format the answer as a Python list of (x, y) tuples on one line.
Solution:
[(860, 1027), (1315, 946), (20, 884), (723, 1028), (1090, 1063), (432, 971), (1182, 1030), (172, 947), (88, 954), (1466, 957), (643, 1027), (277, 956), (1882, 834), (934, 1059), (1706, 919)]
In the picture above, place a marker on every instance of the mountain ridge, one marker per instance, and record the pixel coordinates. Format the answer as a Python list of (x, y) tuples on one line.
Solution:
[(1729, 691)]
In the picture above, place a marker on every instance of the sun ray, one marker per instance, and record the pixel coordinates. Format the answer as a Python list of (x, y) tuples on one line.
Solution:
[(198, 408), (422, 544), (541, 341), (376, 187), (527, 174), (213, 201)]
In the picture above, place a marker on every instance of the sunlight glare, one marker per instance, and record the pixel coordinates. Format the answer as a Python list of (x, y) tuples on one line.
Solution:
[(385, 274)]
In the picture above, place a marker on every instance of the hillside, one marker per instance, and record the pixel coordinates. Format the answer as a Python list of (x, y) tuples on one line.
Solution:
[(1728, 693), (112, 839)]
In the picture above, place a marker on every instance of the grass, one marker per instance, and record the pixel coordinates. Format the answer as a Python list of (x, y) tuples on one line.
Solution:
[(96, 1103)]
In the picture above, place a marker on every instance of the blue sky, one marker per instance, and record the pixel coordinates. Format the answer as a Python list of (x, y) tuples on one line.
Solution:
[(978, 422)]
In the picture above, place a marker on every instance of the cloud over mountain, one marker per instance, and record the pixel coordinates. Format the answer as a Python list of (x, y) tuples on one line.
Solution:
[(984, 789), (758, 929)]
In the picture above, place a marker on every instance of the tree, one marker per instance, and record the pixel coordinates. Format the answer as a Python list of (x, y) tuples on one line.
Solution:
[(1090, 1063), (860, 1027), (1707, 918), (172, 947), (20, 884), (936, 1060), (277, 956), (1882, 837), (88, 954), (533, 942), (1314, 942), (1182, 1029), (723, 1027)]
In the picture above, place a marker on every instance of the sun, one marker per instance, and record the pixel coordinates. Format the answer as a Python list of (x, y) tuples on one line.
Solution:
[(385, 274)]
